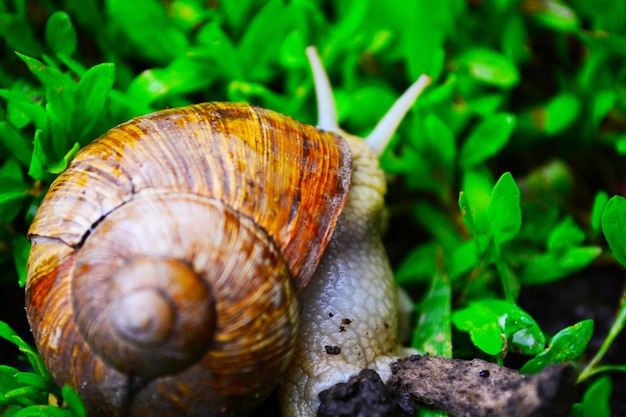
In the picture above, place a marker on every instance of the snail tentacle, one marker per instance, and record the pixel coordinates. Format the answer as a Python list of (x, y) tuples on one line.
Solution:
[(326, 107), (379, 138)]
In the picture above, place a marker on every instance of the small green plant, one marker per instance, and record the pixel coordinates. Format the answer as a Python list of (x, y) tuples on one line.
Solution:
[(504, 172), (33, 393)]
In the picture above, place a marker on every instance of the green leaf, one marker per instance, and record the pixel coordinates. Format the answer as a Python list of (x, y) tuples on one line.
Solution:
[(32, 380), (560, 113), (269, 26), (566, 235), (30, 108), (59, 166), (20, 249), (439, 144), (60, 34), (483, 327), (74, 403), (15, 142), (487, 139), (38, 159), (596, 401), (474, 199), (433, 334), (43, 411), (50, 77), (12, 190), (553, 266), (145, 24), (31, 353), (556, 15), (19, 35), (436, 223), (568, 344), (490, 67), (91, 94), (614, 227), (503, 211), (418, 265), (463, 259), (490, 322), (424, 411)]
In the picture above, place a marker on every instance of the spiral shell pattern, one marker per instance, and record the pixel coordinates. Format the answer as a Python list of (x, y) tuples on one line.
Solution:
[(166, 259)]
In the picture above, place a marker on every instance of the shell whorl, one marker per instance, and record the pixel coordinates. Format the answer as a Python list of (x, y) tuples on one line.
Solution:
[(125, 230)]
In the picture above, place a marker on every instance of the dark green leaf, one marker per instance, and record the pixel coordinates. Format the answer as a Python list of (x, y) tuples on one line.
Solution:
[(60, 34), (12, 191), (440, 142), (50, 77), (568, 344), (566, 235), (269, 26), (596, 401), (614, 227), (19, 35), (433, 334), (418, 266), (490, 67), (146, 26), (38, 160), (463, 259), (560, 113), (503, 211), (487, 139), (15, 143), (33, 357), (33, 110), (557, 15), (20, 249), (599, 202), (552, 266)]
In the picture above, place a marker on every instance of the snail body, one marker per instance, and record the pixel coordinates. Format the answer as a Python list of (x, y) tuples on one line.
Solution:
[(171, 261)]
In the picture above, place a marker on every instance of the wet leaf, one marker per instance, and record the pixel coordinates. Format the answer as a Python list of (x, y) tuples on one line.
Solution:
[(493, 322), (433, 335), (568, 344)]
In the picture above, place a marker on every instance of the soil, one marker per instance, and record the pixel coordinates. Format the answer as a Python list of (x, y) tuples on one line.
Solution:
[(591, 294)]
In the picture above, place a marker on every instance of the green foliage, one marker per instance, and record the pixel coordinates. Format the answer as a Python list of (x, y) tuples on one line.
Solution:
[(433, 333), (507, 166), (566, 345), (596, 400), (31, 393), (498, 326)]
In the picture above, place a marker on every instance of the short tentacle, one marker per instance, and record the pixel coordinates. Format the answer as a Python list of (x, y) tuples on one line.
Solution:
[(384, 130)]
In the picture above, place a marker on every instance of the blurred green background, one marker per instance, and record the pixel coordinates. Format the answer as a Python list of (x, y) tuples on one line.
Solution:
[(499, 177)]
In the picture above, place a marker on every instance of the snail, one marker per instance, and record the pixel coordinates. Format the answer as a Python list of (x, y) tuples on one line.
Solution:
[(189, 261)]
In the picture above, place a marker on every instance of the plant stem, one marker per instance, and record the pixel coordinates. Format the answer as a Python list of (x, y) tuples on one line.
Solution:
[(615, 330)]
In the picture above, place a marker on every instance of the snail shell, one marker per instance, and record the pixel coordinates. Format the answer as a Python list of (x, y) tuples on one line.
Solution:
[(154, 253)]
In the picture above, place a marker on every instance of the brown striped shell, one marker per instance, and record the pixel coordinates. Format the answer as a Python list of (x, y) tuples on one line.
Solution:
[(166, 258)]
